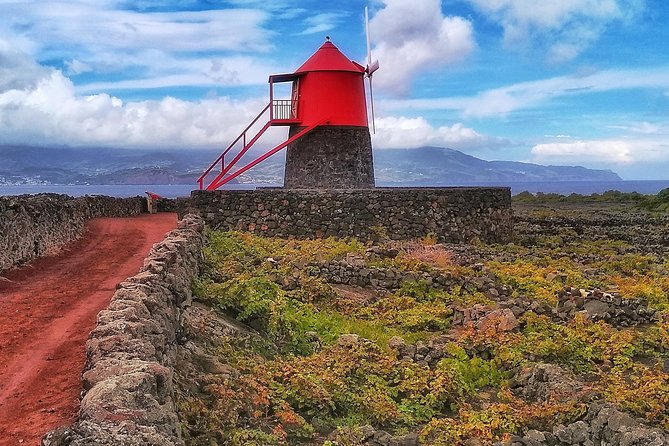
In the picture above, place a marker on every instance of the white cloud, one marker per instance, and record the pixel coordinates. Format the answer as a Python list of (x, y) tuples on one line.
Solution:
[(523, 95), (322, 22), (562, 28), (51, 113), (619, 152), (644, 128), (17, 70), (46, 108), (75, 66), (402, 133), (102, 37), (608, 151), (103, 26), (200, 72), (413, 37)]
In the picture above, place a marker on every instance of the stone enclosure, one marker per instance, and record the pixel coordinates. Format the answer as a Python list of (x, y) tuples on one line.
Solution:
[(132, 353), (450, 214), (128, 378)]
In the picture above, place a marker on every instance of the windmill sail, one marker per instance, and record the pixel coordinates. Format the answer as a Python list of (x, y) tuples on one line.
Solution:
[(371, 68)]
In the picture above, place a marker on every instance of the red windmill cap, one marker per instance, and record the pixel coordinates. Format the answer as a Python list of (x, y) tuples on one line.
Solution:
[(329, 58)]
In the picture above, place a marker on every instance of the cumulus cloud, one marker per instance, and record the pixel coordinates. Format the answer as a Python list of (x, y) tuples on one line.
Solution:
[(562, 28), (414, 37), (637, 143), (17, 70), (619, 152), (610, 151), (50, 112), (405, 133)]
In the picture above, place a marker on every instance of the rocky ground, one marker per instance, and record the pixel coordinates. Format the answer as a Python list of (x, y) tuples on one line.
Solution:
[(560, 338)]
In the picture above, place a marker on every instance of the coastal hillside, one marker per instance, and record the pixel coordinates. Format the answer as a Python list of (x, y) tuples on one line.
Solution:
[(422, 166), (437, 165)]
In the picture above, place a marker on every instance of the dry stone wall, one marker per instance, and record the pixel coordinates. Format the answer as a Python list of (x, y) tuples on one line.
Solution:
[(330, 157), (34, 225), (602, 425), (451, 214), (131, 354)]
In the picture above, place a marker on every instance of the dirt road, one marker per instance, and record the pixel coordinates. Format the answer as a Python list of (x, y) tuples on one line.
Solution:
[(47, 310)]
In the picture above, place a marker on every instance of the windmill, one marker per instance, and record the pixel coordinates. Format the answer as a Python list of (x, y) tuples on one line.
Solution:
[(370, 69), (329, 142)]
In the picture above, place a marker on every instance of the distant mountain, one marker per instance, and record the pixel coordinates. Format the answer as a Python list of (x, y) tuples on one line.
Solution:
[(423, 166), (64, 165), (437, 165)]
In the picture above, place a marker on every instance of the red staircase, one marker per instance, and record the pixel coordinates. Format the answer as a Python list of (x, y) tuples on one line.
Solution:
[(281, 112)]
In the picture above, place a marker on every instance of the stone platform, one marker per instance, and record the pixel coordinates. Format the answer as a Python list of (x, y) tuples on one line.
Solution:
[(330, 157), (453, 214)]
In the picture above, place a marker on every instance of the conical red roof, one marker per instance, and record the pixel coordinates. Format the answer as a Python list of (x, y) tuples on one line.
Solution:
[(329, 58)]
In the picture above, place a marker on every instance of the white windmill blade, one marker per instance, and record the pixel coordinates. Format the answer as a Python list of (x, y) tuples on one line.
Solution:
[(369, 45), (371, 102), (371, 68)]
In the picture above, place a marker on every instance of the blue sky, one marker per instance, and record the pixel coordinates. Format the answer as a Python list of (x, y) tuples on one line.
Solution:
[(568, 82)]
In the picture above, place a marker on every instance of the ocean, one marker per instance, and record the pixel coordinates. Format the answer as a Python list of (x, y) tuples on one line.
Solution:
[(115, 190), (183, 190)]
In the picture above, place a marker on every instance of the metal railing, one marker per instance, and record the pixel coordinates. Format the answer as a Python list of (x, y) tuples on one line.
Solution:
[(222, 179), (279, 109), (245, 146), (284, 109)]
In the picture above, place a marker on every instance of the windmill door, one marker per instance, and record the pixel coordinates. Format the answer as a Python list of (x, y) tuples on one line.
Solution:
[(295, 95)]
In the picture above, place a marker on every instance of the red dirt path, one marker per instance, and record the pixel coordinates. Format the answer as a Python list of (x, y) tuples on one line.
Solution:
[(47, 310)]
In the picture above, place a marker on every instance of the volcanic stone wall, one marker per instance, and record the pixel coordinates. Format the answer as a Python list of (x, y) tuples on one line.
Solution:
[(132, 353), (34, 225), (451, 214), (330, 157)]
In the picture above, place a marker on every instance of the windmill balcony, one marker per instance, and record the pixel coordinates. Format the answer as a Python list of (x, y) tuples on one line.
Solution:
[(284, 112)]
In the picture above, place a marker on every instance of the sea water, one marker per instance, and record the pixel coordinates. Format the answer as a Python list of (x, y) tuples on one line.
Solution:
[(184, 190), (123, 190)]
